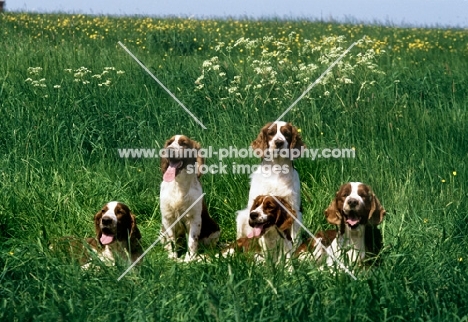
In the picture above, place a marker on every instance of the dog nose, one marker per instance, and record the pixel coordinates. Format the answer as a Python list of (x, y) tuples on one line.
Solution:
[(254, 215), (279, 143), (353, 203), (106, 221), (172, 153)]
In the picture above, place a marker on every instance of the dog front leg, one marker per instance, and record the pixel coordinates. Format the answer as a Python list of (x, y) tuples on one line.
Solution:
[(169, 240), (192, 242)]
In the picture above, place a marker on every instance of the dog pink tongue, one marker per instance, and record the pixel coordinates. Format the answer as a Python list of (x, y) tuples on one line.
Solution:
[(256, 232), (352, 222), (170, 173), (106, 239)]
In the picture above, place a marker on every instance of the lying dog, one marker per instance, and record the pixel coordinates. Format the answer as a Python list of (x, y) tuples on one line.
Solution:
[(271, 221), (117, 235)]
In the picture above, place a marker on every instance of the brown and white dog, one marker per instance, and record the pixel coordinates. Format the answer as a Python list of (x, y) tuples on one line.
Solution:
[(116, 233), (310, 246), (277, 144), (356, 211), (180, 190), (271, 220), (117, 238)]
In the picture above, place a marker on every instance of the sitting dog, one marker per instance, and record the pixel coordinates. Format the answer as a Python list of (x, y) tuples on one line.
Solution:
[(278, 144), (181, 194)]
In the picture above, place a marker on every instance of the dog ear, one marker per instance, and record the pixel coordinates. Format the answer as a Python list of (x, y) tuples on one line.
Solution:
[(134, 246), (134, 231), (332, 213), (200, 159), (164, 156), (261, 142), (284, 220), (377, 212), (296, 140), (164, 164), (97, 225)]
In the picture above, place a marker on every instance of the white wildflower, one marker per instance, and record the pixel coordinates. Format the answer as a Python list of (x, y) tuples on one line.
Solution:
[(199, 79), (34, 70), (207, 64)]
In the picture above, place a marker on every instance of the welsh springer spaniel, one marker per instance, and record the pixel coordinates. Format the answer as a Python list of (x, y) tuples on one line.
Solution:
[(356, 211), (117, 238), (180, 189), (271, 220), (278, 144), (116, 234)]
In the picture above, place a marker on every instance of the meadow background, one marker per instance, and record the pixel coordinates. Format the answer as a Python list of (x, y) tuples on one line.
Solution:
[(70, 97)]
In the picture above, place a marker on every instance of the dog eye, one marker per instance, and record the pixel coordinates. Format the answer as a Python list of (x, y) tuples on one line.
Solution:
[(271, 132)]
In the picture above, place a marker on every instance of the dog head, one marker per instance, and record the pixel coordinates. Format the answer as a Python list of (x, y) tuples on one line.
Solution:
[(269, 212), (277, 136), (355, 204), (181, 154), (114, 222)]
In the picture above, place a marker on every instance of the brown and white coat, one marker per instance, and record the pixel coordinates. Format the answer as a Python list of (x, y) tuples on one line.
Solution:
[(271, 219), (180, 189), (116, 233), (277, 144), (356, 211)]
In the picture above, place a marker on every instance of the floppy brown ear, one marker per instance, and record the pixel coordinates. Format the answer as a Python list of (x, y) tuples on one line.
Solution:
[(97, 225), (134, 231), (135, 247), (377, 212), (164, 159), (285, 219), (200, 159), (164, 164), (333, 214), (296, 141), (285, 223), (261, 142)]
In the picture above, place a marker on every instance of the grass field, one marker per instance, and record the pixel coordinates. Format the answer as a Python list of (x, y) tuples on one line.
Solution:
[(70, 97)]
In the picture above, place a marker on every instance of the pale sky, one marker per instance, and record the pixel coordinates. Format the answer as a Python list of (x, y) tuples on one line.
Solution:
[(398, 12)]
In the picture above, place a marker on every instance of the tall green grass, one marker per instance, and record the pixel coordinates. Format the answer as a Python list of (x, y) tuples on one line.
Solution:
[(59, 163)]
